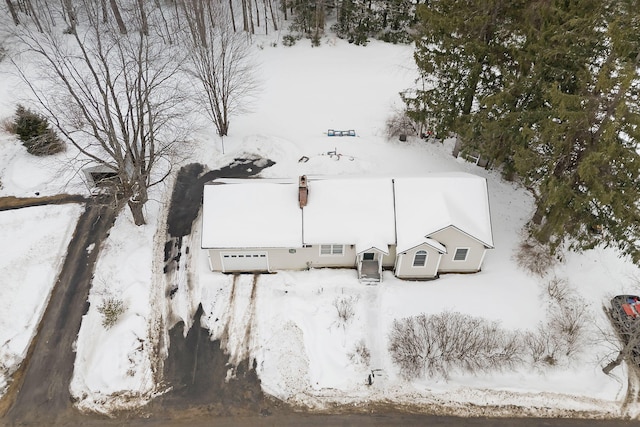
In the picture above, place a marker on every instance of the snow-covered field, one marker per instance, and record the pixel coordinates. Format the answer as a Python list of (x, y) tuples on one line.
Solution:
[(304, 353)]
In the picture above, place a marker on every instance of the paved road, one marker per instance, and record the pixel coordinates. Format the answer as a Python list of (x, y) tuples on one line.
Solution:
[(39, 393)]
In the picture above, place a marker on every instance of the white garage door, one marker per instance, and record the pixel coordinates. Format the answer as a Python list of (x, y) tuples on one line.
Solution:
[(245, 261)]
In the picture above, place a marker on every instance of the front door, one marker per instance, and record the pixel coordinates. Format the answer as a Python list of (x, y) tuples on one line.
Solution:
[(369, 268)]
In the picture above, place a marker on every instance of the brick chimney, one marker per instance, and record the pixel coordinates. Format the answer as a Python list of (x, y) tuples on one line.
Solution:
[(303, 191)]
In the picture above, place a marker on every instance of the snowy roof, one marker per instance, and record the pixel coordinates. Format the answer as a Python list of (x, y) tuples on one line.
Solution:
[(356, 211), (429, 204), (251, 213), (365, 212)]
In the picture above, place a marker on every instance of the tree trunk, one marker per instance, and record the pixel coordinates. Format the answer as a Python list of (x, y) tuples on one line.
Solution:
[(273, 16), (12, 11), (245, 21), (136, 203), (614, 363), (472, 87), (257, 14), (105, 12), (266, 20), (137, 212), (143, 18), (68, 8), (118, 16), (253, 30), (233, 18), (166, 24), (34, 15)]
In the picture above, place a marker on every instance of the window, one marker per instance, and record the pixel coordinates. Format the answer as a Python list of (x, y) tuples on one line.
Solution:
[(420, 259), (331, 249), (461, 254)]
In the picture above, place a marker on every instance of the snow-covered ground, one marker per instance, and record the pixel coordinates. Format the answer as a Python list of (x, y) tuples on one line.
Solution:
[(304, 353), (33, 243)]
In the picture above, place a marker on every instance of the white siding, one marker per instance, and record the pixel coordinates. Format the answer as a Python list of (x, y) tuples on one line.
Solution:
[(406, 270), (293, 258), (452, 239)]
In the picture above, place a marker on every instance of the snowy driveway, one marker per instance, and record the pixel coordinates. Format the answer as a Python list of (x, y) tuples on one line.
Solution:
[(40, 390)]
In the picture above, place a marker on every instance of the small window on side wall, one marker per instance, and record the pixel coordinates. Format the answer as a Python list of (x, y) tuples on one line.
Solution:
[(461, 254), (420, 259)]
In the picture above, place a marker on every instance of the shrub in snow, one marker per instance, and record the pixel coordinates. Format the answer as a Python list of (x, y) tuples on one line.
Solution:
[(8, 125), (534, 257), (400, 124), (290, 39), (345, 309), (111, 309), (360, 354), (563, 333), (435, 344), (35, 133)]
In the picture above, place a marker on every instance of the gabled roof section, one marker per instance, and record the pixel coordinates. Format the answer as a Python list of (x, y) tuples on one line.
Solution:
[(429, 204), (353, 211), (365, 248), (251, 213)]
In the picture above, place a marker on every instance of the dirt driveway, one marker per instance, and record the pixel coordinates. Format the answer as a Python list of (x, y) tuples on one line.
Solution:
[(39, 392)]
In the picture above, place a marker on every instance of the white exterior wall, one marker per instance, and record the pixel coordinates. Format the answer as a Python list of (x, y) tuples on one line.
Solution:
[(452, 238), (406, 270), (283, 259), (389, 261)]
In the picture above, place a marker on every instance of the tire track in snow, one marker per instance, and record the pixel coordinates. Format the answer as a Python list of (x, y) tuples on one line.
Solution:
[(236, 335), (224, 336), (252, 315)]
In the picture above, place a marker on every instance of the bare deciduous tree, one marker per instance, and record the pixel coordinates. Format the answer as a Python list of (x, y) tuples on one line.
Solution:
[(114, 96), (220, 61)]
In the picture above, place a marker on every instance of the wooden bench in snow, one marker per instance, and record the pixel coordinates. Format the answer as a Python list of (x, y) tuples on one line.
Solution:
[(332, 132)]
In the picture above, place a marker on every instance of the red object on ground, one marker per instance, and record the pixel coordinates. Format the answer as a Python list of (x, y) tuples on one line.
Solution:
[(629, 310)]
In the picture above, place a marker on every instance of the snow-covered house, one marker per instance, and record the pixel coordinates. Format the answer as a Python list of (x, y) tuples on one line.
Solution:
[(419, 227)]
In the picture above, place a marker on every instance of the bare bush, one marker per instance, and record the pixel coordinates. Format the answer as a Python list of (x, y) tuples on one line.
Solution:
[(8, 125), (345, 308), (436, 344), (562, 335), (400, 124), (534, 257), (542, 345), (558, 290), (360, 354), (111, 309)]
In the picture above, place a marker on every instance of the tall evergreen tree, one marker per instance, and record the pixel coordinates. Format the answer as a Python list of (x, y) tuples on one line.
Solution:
[(458, 46), (562, 113)]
